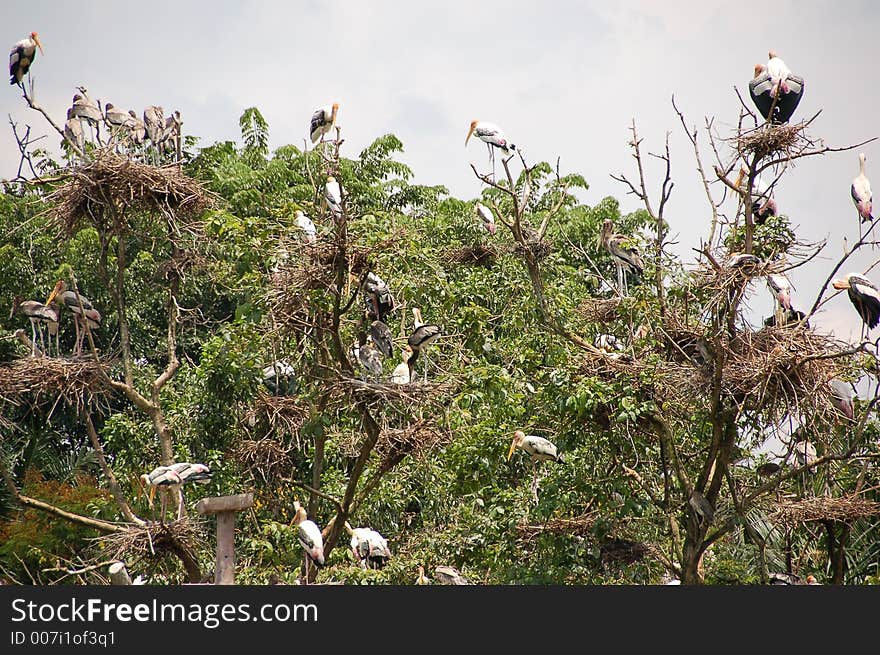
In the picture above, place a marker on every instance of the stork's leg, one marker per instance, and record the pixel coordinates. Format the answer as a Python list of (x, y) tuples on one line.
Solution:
[(42, 339), (33, 338), (306, 566), (535, 482), (76, 327), (180, 503)]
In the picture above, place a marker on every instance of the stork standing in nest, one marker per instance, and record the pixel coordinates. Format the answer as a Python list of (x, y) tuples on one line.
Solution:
[(780, 287), (424, 334), (85, 317), (38, 314), (403, 372), (538, 449), (625, 254)]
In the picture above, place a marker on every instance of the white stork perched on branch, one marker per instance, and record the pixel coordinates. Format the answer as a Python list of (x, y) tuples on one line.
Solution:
[(862, 197), (538, 449), (305, 223), (864, 296), (424, 334), (333, 196), (493, 137), (309, 538), (323, 120), (487, 218), (625, 254), (22, 56)]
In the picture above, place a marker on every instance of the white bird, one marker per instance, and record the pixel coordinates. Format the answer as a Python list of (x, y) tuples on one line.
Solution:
[(862, 197), (539, 449), (73, 131), (323, 120), (625, 254), (804, 454), (422, 579), (423, 334), (305, 223), (38, 314), (864, 296), (280, 378), (403, 372), (333, 196), (22, 56), (608, 343), (486, 217), (742, 260), (85, 317), (368, 547), (778, 72), (190, 472), (161, 476), (309, 538), (780, 287), (842, 397), (493, 137), (154, 123), (378, 300)]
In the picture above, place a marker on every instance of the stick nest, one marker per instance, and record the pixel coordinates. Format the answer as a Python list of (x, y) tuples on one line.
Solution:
[(115, 182), (846, 508), (771, 139), (416, 440), (37, 379), (581, 526), (478, 254), (383, 393), (268, 457), (153, 541), (539, 248), (599, 310)]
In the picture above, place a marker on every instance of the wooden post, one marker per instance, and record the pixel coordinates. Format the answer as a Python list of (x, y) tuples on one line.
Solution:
[(225, 508)]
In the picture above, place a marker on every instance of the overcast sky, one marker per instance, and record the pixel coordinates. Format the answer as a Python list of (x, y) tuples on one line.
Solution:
[(563, 79)]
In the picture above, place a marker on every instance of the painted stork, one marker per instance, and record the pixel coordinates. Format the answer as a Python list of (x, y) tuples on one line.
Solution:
[(763, 203), (742, 260), (305, 223), (86, 110), (170, 136), (323, 120), (161, 476), (38, 314), (539, 449), (423, 334), (625, 254), (778, 72), (368, 547), (138, 129), (493, 137), (118, 120), (864, 296), (403, 372), (85, 317), (333, 196), (22, 56), (804, 454), (608, 343), (382, 338), (789, 317), (190, 472), (309, 538), (422, 579), (842, 397), (780, 286), (73, 131), (369, 357), (154, 123), (280, 378), (766, 82), (378, 300), (487, 219), (862, 197)]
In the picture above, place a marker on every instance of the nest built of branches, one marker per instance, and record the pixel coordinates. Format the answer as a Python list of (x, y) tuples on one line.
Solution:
[(769, 139), (40, 379), (154, 540), (268, 457), (478, 254), (284, 414), (599, 310), (538, 249), (383, 393), (581, 526), (114, 181), (820, 508)]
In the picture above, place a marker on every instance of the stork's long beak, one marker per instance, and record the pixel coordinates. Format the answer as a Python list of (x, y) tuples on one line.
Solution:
[(39, 45), (840, 284), (470, 131), (54, 293), (512, 447), (333, 115)]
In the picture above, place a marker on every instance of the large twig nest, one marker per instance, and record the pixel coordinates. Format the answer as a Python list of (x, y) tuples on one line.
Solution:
[(599, 310), (41, 379), (846, 508), (478, 254), (154, 540), (116, 183), (581, 526), (770, 139)]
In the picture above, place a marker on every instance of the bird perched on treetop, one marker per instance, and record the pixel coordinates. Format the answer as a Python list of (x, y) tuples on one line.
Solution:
[(22, 56)]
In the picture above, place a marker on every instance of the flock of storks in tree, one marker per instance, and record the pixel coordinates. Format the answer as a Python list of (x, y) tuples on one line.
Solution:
[(776, 92)]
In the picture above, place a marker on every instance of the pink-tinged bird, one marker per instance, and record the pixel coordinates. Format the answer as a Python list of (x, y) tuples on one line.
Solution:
[(864, 296), (309, 538), (778, 72), (486, 217), (861, 192), (780, 287), (22, 56)]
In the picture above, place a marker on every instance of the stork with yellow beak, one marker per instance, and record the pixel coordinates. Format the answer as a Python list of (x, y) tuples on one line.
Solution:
[(323, 120), (22, 56), (864, 296), (493, 137), (539, 449)]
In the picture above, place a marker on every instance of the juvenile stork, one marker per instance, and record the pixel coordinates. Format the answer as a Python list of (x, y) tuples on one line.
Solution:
[(305, 223), (309, 538), (73, 131), (493, 137), (22, 56), (864, 296), (86, 110), (333, 196), (118, 120), (402, 373), (382, 338), (862, 197), (539, 449), (38, 314), (138, 129), (323, 120), (85, 317), (780, 287), (369, 357), (368, 547), (625, 254), (378, 299), (423, 334)]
